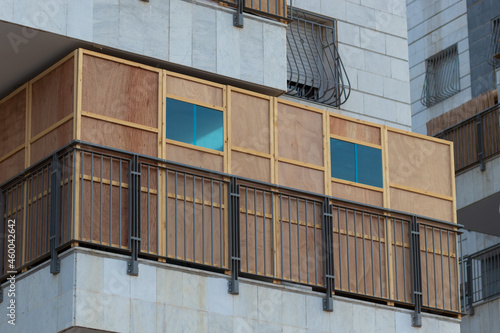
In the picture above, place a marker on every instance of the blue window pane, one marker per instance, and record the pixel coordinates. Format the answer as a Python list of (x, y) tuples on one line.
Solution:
[(179, 121), (209, 128), (343, 160), (369, 166)]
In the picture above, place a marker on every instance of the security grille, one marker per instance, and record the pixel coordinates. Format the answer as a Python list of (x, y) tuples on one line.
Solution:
[(494, 47), (315, 70), (442, 77)]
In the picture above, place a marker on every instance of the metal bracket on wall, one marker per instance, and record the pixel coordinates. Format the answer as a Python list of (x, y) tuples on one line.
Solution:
[(134, 216), (234, 234), (238, 17), (55, 183)]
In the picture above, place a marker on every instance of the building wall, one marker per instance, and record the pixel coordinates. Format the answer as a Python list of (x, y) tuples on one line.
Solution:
[(94, 291), (196, 34), (372, 42), (479, 16), (433, 26), (485, 318)]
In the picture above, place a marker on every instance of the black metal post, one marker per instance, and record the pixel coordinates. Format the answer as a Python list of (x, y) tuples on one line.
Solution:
[(329, 269), (238, 17), (55, 191), (480, 143), (234, 236), (134, 215), (416, 272), (470, 291)]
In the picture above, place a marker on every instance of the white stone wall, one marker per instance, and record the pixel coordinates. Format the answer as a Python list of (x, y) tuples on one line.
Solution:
[(485, 318), (434, 25), (473, 242), (474, 184), (372, 42), (196, 33), (94, 291)]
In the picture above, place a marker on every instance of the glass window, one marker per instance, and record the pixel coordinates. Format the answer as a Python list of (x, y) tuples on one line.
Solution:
[(194, 124), (356, 163)]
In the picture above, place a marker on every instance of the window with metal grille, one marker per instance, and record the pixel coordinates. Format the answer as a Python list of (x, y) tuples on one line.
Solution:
[(315, 70), (494, 47), (442, 77)]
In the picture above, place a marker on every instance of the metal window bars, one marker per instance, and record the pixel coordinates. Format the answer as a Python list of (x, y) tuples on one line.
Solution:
[(315, 70), (494, 46), (442, 77), (151, 208)]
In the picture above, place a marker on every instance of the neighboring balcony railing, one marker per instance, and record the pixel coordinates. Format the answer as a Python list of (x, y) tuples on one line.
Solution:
[(481, 277), (145, 207), (475, 139)]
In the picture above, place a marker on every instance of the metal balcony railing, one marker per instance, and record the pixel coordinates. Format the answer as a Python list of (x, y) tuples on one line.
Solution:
[(475, 139), (480, 276), (90, 195)]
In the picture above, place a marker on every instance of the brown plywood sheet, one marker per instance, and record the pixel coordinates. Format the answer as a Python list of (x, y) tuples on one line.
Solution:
[(120, 91), (196, 91), (301, 178), (52, 141), (119, 136), (52, 97), (251, 166), (415, 203), (250, 123), (194, 157), (358, 194), (355, 130), (300, 134), (12, 166), (419, 163), (13, 122)]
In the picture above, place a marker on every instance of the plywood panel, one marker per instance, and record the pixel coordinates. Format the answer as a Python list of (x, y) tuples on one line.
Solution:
[(301, 178), (251, 166), (194, 157), (357, 194), (13, 122), (300, 134), (52, 97), (419, 163), (120, 91), (12, 166), (250, 122), (415, 203), (195, 91), (355, 130), (119, 136), (52, 141)]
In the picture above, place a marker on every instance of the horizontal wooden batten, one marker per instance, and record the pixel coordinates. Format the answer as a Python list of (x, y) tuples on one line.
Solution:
[(419, 191), (347, 182), (359, 142), (302, 164), (193, 101), (118, 121), (51, 128), (188, 145), (12, 152), (251, 152)]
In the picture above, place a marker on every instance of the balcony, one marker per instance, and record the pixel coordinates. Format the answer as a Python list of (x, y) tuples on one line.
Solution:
[(251, 185), (476, 139)]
